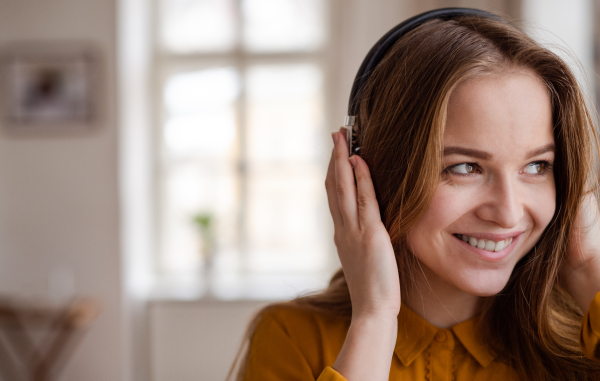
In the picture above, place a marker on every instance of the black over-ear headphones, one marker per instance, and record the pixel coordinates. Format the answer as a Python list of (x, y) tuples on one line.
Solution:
[(379, 50)]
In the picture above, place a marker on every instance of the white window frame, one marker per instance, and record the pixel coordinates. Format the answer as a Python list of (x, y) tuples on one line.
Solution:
[(179, 288)]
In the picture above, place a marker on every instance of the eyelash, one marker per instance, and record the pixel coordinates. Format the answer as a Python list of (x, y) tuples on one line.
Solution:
[(547, 167)]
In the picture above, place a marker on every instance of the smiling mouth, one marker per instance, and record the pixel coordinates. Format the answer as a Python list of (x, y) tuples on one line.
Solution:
[(485, 244)]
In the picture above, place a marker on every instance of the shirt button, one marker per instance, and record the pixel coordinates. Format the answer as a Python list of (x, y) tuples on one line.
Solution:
[(440, 336)]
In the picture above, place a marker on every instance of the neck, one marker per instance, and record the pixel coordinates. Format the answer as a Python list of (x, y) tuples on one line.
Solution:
[(440, 303)]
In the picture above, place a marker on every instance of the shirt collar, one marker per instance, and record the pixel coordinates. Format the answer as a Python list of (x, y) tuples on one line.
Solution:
[(467, 334), (415, 334)]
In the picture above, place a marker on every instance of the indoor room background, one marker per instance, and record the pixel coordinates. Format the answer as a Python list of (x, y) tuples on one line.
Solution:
[(162, 166)]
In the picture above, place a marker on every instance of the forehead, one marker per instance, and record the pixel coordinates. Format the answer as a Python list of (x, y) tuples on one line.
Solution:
[(506, 113)]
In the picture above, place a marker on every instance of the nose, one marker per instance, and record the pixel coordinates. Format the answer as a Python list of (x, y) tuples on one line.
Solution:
[(503, 204)]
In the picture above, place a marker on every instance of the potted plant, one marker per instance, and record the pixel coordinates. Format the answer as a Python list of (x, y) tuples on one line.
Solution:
[(205, 222)]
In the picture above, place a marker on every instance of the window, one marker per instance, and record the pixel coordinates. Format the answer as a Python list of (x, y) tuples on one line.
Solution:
[(240, 146)]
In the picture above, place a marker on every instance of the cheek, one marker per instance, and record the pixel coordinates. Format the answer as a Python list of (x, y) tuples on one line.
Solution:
[(448, 205), (452, 201), (542, 205)]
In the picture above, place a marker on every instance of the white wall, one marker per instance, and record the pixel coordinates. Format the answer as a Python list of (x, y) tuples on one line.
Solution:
[(136, 165), (197, 340), (59, 195), (565, 27)]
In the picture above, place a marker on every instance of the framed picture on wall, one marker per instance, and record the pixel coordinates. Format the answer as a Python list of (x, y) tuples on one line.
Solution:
[(51, 84)]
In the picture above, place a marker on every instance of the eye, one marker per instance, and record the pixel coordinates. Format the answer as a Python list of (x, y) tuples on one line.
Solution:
[(463, 168), (537, 168)]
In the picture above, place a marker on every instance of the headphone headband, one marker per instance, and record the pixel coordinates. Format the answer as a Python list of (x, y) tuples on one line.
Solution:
[(382, 46)]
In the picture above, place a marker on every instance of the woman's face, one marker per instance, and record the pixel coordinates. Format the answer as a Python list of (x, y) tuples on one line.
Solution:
[(497, 189)]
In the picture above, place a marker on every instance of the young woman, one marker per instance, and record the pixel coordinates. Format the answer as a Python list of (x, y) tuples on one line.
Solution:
[(467, 228)]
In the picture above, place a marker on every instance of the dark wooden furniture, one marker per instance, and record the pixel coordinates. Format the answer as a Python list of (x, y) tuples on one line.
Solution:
[(36, 342)]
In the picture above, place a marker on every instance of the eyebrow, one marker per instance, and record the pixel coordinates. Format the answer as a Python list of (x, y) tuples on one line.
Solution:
[(547, 148), (482, 155)]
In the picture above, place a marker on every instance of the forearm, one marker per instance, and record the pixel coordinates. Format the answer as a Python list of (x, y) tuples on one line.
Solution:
[(368, 348), (583, 283)]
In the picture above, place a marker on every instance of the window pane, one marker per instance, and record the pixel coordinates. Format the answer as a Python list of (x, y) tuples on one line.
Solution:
[(283, 25), (198, 25), (285, 112), (200, 168), (202, 135), (201, 90), (189, 189), (201, 113), (285, 220), (285, 148)]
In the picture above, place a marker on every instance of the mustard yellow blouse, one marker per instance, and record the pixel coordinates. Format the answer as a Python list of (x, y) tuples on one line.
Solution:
[(291, 343)]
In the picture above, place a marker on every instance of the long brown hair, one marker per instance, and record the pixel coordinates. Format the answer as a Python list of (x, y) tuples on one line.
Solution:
[(532, 324)]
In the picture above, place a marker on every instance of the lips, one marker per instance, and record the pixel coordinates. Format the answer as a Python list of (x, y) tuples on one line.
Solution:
[(487, 255), (485, 244)]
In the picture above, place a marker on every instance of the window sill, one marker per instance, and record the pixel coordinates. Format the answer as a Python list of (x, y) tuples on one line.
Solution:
[(237, 287)]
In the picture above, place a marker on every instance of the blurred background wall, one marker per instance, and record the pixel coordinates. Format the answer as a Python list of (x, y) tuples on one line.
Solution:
[(78, 210), (59, 205)]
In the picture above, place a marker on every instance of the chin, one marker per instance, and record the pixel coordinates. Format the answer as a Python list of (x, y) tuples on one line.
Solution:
[(483, 284)]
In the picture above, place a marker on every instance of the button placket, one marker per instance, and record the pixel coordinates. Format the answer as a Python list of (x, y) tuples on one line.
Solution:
[(428, 367), (441, 353)]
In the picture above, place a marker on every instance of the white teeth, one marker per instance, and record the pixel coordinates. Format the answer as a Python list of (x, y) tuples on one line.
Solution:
[(485, 244), (499, 246)]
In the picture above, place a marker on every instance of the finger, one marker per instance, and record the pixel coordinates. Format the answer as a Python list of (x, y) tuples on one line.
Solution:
[(368, 207), (344, 179), (344, 131), (334, 208)]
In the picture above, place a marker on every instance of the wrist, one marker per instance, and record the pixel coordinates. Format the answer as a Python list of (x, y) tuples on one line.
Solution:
[(379, 315), (368, 348), (376, 324), (375, 318)]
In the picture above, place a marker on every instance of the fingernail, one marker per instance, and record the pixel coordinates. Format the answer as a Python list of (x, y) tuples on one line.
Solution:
[(353, 161), (335, 137)]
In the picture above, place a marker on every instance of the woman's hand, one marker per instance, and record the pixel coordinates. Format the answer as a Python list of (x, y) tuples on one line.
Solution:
[(580, 272), (361, 239), (369, 265)]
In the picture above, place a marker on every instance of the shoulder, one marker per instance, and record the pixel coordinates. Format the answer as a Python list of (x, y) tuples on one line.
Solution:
[(296, 337), (300, 322), (299, 314)]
